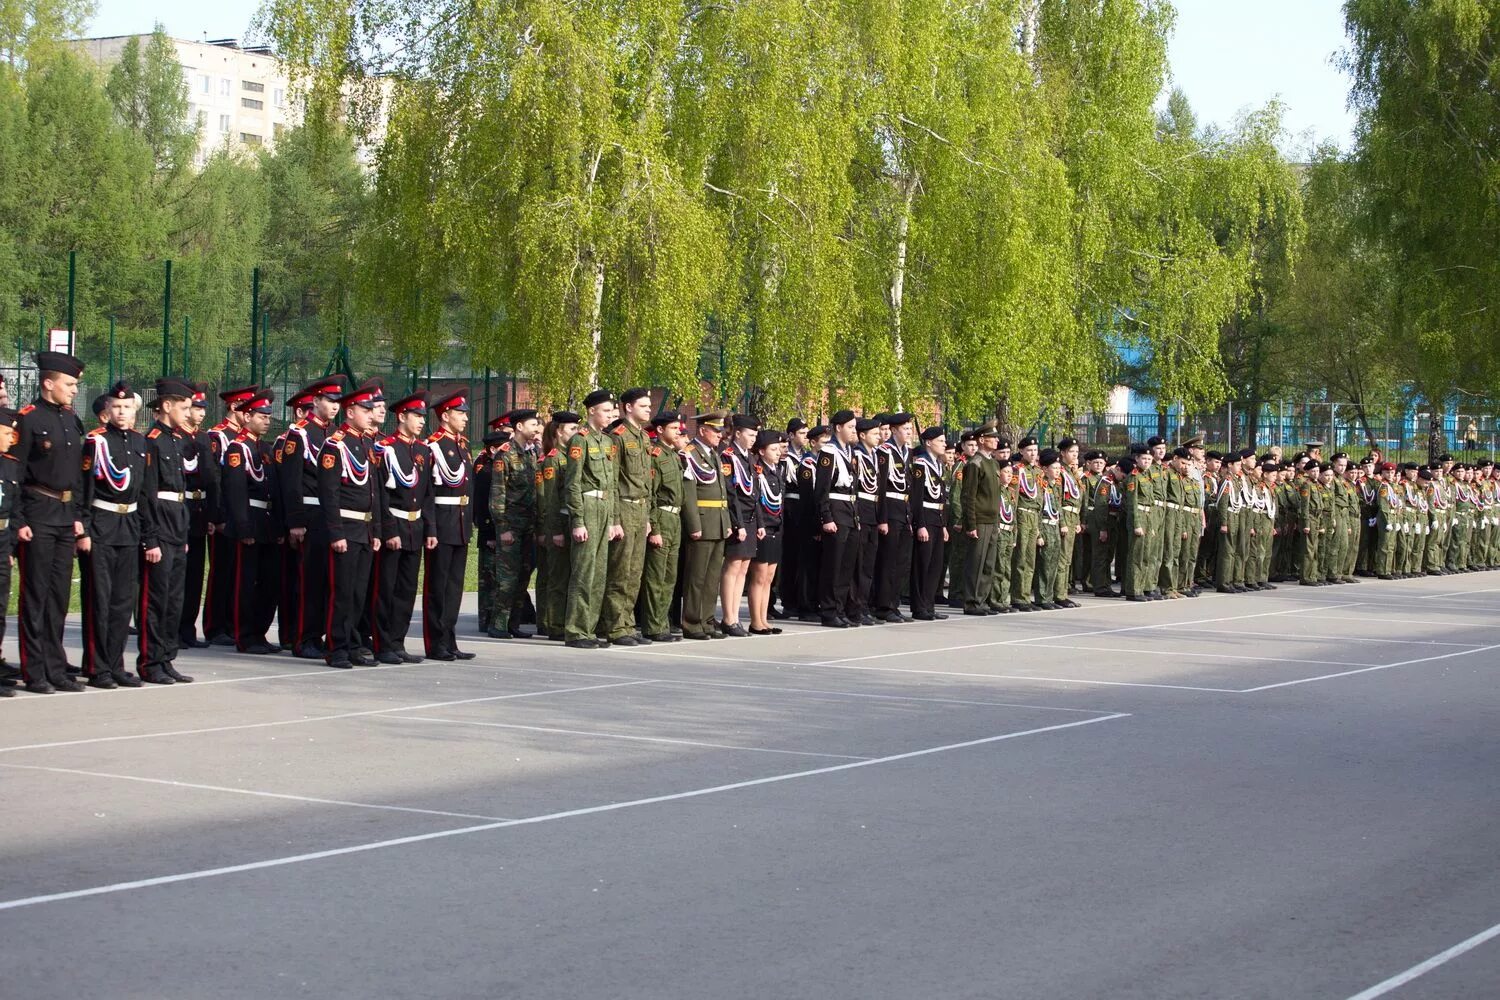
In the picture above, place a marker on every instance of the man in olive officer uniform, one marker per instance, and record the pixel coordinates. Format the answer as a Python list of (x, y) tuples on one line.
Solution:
[(705, 525), (47, 522), (981, 518), (451, 523), (591, 486), (631, 494), (659, 578), (513, 513)]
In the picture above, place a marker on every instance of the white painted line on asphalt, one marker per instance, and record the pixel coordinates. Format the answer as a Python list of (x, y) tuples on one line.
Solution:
[(1212, 654), (622, 736), (1458, 593), (1380, 619), (1367, 670), (316, 718), (1422, 968), (887, 697), (204, 873), (1080, 635), (1325, 638), (248, 791)]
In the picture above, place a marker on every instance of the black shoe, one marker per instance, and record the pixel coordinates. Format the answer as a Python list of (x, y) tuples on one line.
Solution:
[(386, 656), (460, 654), (516, 633), (408, 657), (624, 640), (868, 619), (939, 616), (735, 631), (1225, 590), (810, 619), (68, 684), (103, 682), (1385, 576), (923, 616), (571, 644), (1069, 603), (978, 612), (1023, 607), (307, 651), (696, 636), (194, 643), (222, 639), (782, 616), (127, 680), (834, 623), (1240, 588), (1007, 610), (666, 637), (765, 631), (497, 633), (1106, 593), (365, 651), (159, 677), (171, 672), (641, 640), (894, 617), (1136, 597), (1048, 606), (40, 687), (74, 671), (260, 649), (7, 692), (342, 663)]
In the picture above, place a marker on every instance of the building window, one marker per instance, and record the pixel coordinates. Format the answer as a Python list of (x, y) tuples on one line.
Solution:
[(205, 85), (223, 123), (224, 86), (251, 103), (278, 97), (254, 88), (250, 139)]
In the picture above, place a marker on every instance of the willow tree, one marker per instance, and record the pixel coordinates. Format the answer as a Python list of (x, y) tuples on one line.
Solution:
[(553, 192)]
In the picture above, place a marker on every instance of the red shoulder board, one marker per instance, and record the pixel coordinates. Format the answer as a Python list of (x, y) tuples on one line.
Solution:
[(620, 431), (27, 408), (96, 432), (655, 452), (552, 453), (154, 432), (505, 446), (584, 432)]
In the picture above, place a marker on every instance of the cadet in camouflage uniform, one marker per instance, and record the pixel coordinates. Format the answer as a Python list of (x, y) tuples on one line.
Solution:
[(484, 528), (1138, 518), (665, 539), (1049, 537), (513, 512), (1071, 497), (1104, 530), (632, 499), (553, 524), (1233, 523), (1172, 482), (591, 481), (1028, 525)]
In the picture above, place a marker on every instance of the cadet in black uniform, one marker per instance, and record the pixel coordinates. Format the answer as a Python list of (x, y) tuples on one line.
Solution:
[(809, 536), (788, 583), (405, 506), (307, 544), (451, 524), (838, 519), (867, 508), (249, 525), (346, 494), (49, 454), (286, 478), (164, 533), (217, 614), (114, 464), (8, 487), (201, 473), (929, 502), (744, 521), (893, 558)]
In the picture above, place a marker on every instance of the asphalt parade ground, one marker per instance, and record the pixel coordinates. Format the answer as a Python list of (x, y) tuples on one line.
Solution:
[(1281, 795)]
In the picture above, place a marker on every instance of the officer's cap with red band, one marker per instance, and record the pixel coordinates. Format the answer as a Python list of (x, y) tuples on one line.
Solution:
[(234, 397), (301, 400), (366, 396), (200, 395), (259, 402), (415, 403), (453, 401)]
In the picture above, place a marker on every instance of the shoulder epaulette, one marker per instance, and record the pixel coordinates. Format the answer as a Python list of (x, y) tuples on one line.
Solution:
[(551, 453), (27, 408), (388, 439), (96, 432), (620, 431), (336, 436), (583, 432), (656, 451), (505, 446), (300, 423), (154, 433)]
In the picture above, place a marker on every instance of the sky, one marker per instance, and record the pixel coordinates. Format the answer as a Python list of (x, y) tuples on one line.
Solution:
[(1228, 56)]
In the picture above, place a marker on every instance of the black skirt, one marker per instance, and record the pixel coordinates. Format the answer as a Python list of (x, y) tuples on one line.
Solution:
[(769, 549), (741, 550)]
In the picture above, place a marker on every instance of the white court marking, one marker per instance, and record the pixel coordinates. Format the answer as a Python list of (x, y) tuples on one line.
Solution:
[(1325, 638), (318, 718), (1367, 670), (887, 697), (623, 736), (204, 873), (1380, 619), (1212, 654), (249, 791), (1458, 593), (1422, 968)]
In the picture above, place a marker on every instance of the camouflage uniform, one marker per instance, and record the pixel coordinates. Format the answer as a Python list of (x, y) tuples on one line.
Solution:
[(513, 510)]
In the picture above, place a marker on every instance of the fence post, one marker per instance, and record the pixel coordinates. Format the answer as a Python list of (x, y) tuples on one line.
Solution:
[(187, 343), (72, 281), (166, 321), (111, 351), (1229, 426), (254, 318)]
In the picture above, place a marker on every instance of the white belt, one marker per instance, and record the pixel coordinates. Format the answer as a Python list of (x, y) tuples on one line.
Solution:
[(462, 501), (261, 504), (115, 508), (356, 515), (896, 496), (629, 500), (869, 496), (1161, 503), (191, 495), (596, 494), (793, 496), (669, 510), (406, 515), (932, 506), (841, 496), (174, 497), (310, 501), (1071, 510), (1173, 505)]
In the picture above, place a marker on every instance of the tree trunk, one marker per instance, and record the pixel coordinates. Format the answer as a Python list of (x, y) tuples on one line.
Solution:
[(1437, 442), (1252, 424), (1364, 423), (898, 283), (593, 317)]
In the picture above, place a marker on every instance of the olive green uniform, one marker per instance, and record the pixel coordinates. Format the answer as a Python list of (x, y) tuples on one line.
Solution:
[(661, 560), (553, 563), (705, 511), (980, 506), (1029, 489), (627, 554), (1070, 499), (513, 510), (591, 479)]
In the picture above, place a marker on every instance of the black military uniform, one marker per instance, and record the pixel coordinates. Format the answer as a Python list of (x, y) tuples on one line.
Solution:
[(929, 502), (201, 473), (893, 559), (794, 530), (49, 453), (166, 527), (451, 523), (347, 496), (744, 504), (298, 493), (9, 487), (808, 537), (217, 614), (834, 495), (405, 506), (249, 523), (288, 597), (114, 465), (867, 534)]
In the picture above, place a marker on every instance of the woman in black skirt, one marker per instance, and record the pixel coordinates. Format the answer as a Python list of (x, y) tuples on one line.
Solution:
[(770, 484), (744, 522)]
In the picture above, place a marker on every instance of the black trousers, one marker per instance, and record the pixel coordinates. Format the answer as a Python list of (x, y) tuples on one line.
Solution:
[(7, 547), (394, 595), (866, 547), (927, 572), (836, 568), (289, 600), (217, 618), (107, 591), (163, 605), (789, 578), (312, 588), (257, 572), (892, 567), (442, 588), (192, 589), (349, 580), (46, 567)]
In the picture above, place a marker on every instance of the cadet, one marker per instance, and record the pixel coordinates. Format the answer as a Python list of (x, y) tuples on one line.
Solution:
[(1000, 599), (981, 502), (404, 501), (956, 552), (1028, 525), (346, 495), (929, 496), (201, 485), (894, 520), (1049, 537), (1138, 517), (289, 601), (866, 541), (1104, 527), (484, 526), (705, 523), (838, 520), (451, 523), (307, 545), (49, 452), (810, 536), (250, 526), (553, 565), (114, 463), (164, 534), (1071, 495), (9, 486), (216, 609), (665, 540), (791, 582), (591, 485), (513, 510), (631, 493)]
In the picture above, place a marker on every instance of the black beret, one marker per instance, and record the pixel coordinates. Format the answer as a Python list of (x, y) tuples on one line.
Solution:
[(1026, 442), (1001, 442), (596, 397), (1444, 457), (57, 361), (1213, 454), (631, 395), (1093, 456), (496, 437), (897, 419), (1424, 473), (1338, 455), (1153, 441), (666, 417), (1049, 456), (1138, 449), (1066, 443), (768, 437), (1181, 452), (516, 416), (819, 431), (933, 433), (99, 403), (864, 424), (1270, 466), (744, 422), (1312, 467), (1247, 453), (841, 418), (968, 435), (795, 424), (564, 417), (7, 418)]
